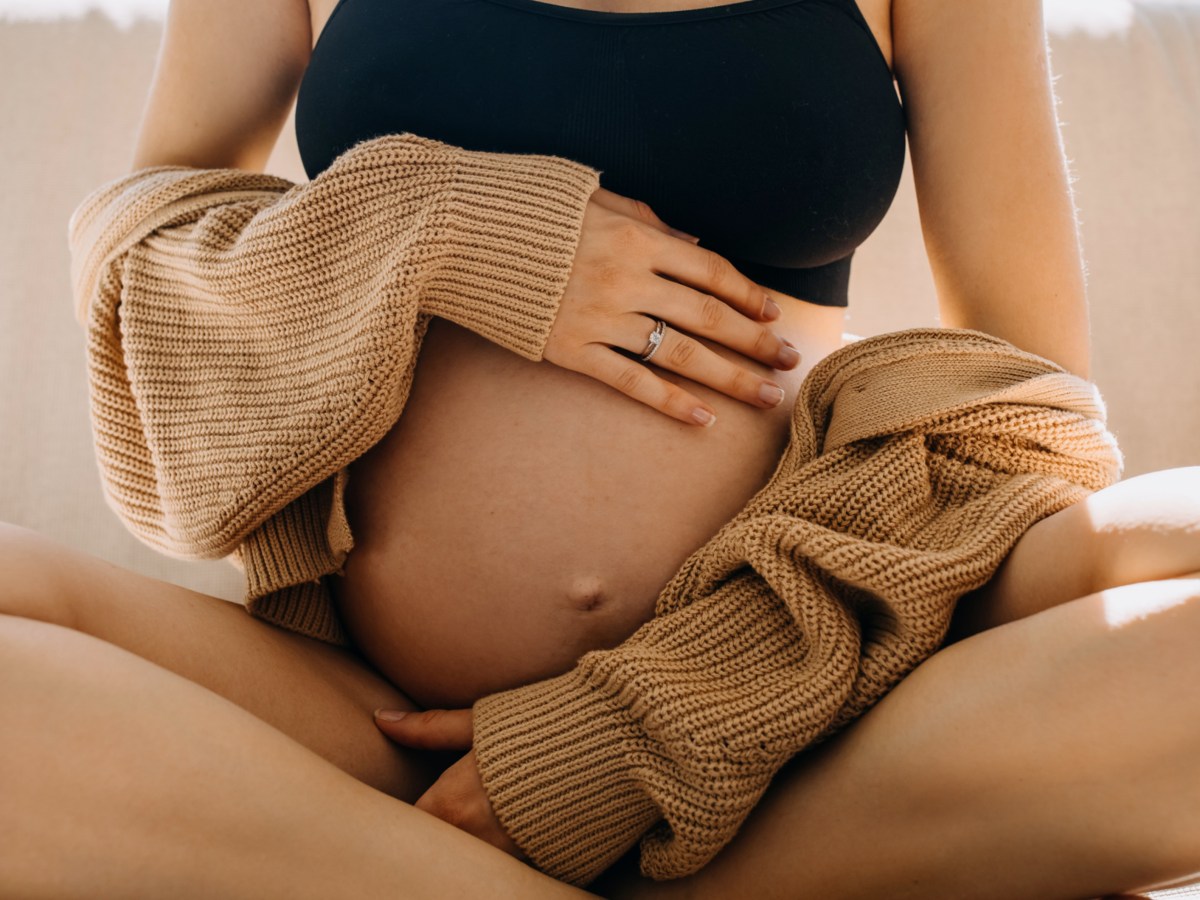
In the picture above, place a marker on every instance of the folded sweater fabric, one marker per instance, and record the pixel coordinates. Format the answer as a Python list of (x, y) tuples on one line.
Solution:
[(249, 338), (915, 462)]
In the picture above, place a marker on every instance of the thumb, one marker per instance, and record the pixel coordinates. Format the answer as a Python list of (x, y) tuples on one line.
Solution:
[(433, 729)]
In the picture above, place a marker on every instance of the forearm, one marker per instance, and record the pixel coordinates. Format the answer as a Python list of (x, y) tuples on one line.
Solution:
[(1018, 271), (249, 338), (1040, 305), (991, 174)]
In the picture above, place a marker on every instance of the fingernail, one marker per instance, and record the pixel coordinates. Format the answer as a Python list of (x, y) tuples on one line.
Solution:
[(685, 235), (789, 355), (771, 393), (771, 310), (390, 715), (703, 416)]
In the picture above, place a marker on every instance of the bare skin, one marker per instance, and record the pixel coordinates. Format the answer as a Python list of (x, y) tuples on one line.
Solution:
[(938, 780), (997, 769), (583, 518)]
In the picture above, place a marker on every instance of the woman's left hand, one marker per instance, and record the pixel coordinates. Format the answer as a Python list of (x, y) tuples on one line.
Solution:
[(457, 796)]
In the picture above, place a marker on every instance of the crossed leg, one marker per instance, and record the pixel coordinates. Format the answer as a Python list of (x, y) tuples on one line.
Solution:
[(320, 695), (1049, 752), (1043, 757), (158, 742)]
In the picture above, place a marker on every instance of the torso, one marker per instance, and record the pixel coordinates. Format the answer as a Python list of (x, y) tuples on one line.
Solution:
[(520, 514)]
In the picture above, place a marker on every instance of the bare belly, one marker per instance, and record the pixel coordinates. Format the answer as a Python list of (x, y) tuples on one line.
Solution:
[(520, 514)]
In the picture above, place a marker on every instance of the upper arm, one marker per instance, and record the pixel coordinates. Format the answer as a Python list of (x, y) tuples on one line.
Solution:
[(990, 173), (227, 73)]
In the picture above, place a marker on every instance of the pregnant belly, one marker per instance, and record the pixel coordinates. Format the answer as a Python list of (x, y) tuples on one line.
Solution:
[(520, 514)]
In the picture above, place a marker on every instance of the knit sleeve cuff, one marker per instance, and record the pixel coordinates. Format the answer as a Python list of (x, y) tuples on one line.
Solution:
[(509, 229), (560, 766)]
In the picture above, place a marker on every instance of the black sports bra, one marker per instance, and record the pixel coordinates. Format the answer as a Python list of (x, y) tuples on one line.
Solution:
[(770, 129)]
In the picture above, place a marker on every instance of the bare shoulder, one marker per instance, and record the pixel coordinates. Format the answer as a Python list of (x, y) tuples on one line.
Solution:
[(226, 77)]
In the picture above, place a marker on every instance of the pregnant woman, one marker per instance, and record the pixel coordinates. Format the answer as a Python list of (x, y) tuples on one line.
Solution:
[(520, 513)]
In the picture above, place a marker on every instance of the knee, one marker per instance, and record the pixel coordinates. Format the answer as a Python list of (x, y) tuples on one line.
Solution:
[(1087, 710), (1145, 528), (29, 586), (1146, 659)]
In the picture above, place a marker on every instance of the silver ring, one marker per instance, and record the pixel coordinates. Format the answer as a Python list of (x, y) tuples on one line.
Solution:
[(656, 339)]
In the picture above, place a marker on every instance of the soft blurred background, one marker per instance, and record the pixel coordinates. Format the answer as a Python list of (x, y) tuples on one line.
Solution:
[(74, 75)]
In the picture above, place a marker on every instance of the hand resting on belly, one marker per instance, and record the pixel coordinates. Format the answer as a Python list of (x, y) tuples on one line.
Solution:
[(519, 514), (630, 268)]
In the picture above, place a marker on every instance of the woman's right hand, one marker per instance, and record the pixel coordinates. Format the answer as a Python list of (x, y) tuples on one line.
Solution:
[(631, 268)]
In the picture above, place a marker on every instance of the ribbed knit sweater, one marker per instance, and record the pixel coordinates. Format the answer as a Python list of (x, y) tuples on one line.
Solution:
[(249, 338), (916, 460)]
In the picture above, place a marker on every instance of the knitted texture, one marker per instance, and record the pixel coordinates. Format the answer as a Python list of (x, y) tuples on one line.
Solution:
[(916, 460), (248, 338)]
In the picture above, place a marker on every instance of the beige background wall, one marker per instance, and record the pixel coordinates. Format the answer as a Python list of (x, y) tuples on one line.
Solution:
[(71, 95)]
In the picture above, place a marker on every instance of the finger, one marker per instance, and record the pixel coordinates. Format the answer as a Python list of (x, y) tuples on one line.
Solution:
[(432, 729), (703, 314), (711, 273), (684, 355), (458, 798), (447, 800), (467, 815), (638, 209), (637, 381)]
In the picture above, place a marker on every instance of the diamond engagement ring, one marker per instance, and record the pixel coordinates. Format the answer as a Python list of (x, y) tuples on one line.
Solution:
[(656, 339)]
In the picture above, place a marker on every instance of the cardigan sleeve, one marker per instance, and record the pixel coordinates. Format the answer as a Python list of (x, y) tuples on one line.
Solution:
[(248, 337), (835, 581)]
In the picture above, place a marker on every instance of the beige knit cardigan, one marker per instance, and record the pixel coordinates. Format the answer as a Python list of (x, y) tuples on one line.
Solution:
[(249, 338)]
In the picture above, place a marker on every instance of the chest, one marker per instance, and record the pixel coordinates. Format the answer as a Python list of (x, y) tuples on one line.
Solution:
[(770, 128)]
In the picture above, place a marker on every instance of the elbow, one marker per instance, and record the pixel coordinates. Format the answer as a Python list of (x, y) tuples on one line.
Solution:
[(1056, 331)]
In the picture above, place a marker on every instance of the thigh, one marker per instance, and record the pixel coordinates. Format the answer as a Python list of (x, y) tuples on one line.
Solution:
[(1050, 757), (1143, 528), (320, 695), (182, 794)]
